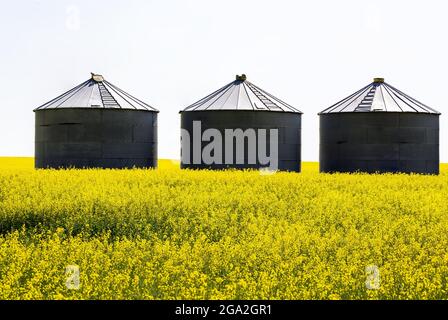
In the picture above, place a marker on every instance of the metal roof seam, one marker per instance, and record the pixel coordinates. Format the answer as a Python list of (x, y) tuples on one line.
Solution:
[(231, 91), (287, 105), (412, 99), (398, 97), (138, 101), (382, 96), (387, 90), (61, 96), (220, 95), (74, 92), (122, 98), (353, 100), (337, 104), (206, 98), (248, 97)]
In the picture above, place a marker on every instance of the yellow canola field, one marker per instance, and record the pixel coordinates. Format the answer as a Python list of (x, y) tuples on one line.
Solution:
[(180, 234)]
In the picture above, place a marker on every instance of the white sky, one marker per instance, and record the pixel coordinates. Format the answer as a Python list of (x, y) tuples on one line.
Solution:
[(172, 53)]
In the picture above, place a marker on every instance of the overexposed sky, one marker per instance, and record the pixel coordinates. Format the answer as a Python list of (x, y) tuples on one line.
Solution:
[(170, 54)]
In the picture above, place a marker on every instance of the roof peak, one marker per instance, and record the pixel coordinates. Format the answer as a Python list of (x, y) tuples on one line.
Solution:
[(241, 77), (379, 96), (378, 80), (96, 93), (97, 77), (241, 95)]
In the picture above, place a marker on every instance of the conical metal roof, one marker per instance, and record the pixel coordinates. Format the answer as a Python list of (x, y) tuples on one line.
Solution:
[(379, 97), (241, 95), (96, 93)]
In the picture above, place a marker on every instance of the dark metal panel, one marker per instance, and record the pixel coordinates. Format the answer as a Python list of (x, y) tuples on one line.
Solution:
[(118, 128), (40, 135), (127, 150), (125, 163), (293, 166), (67, 149), (396, 142), (63, 163), (83, 132), (382, 166), (368, 151), (416, 151), (387, 135), (289, 152), (288, 125), (290, 134), (328, 152), (118, 131), (412, 135), (112, 117), (355, 134), (142, 132), (414, 166), (432, 166), (57, 116), (418, 120), (353, 165), (348, 165), (363, 119), (432, 135), (379, 135), (39, 148), (53, 133), (105, 138)]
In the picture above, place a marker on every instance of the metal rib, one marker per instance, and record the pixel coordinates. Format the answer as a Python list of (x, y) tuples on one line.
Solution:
[(339, 103), (62, 95), (138, 101)]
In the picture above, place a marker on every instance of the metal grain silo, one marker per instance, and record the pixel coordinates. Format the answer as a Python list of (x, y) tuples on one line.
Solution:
[(242, 105), (96, 125), (379, 129)]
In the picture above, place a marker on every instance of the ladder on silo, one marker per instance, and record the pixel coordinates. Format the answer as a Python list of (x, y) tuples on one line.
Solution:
[(266, 101), (107, 99), (366, 104)]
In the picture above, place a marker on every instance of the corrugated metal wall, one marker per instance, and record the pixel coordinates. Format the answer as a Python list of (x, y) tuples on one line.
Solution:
[(288, 125), (379, 142), (95, 138)]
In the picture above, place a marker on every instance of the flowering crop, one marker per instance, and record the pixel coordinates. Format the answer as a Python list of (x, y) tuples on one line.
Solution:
[(181, 234)]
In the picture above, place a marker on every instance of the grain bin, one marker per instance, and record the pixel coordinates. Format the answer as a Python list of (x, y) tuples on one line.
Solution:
[(379, 129), (245, 126), (95, 125)]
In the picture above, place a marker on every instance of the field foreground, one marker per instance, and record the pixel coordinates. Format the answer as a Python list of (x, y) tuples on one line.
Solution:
[(172, 234)]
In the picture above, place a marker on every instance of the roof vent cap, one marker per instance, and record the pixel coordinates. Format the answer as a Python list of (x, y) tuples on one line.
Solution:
[(378, 80), (97, 77), (241, 77)]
